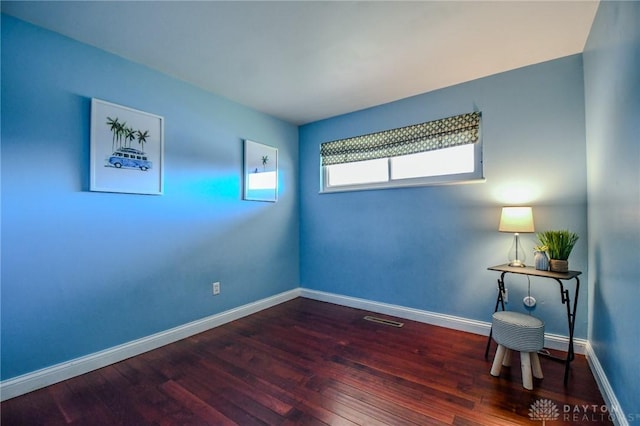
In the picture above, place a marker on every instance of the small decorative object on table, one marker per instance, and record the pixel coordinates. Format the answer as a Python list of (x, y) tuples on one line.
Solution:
[(559, 245), (540, 258)]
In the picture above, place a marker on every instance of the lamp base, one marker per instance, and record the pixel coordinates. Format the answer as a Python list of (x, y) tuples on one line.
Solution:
[(517, 263)]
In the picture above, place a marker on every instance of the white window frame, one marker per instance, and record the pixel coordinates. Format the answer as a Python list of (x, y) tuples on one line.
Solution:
[(477, 176)]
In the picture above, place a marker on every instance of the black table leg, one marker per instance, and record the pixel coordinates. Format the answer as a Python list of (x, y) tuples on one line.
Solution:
[(499, 302)]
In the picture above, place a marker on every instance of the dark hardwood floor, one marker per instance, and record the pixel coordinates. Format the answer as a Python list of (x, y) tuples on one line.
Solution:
[(307, 362)]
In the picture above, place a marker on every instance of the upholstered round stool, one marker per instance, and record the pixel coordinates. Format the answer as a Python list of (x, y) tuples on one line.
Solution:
[(522, 333)]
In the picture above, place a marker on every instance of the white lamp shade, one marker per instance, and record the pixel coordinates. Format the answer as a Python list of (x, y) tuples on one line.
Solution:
[(516, 219)]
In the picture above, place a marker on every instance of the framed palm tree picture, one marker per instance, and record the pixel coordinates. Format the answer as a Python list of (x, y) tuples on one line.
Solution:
[(127, 150), (260, 172)]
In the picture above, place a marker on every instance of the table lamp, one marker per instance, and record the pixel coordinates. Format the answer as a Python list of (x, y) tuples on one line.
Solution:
[(516, 220)]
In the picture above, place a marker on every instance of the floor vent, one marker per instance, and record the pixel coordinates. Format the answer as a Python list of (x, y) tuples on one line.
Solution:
[(384, 321)]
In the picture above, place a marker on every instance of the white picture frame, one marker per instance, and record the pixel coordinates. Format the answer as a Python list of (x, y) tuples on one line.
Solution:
[(127, 150), (260, 172)]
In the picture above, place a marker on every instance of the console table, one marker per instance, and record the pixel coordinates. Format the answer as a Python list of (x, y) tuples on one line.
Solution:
[(558, 277)]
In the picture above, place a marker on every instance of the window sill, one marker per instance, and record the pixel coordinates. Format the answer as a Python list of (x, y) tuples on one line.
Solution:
[(408, 183)]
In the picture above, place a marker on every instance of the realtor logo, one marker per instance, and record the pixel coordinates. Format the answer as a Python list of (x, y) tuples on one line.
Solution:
[(544, 409)]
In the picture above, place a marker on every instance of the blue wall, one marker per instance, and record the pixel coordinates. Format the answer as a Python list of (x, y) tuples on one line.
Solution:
[(612, 94), (84, 271), (429, 247)]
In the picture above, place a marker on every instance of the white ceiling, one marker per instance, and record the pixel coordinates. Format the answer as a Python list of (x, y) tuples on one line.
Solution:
[(304, 60)]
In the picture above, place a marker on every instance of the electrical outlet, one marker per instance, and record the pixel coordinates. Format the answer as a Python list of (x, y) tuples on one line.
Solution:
[(505, 295), (216, 288)]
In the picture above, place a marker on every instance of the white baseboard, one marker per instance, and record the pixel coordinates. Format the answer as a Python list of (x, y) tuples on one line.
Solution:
[(448, 321), (552, 341), (47, 376), (617, 414)]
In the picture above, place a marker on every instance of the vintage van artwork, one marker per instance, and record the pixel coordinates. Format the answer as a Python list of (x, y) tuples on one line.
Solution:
[(123, 155), (127, 148), (129, 158)]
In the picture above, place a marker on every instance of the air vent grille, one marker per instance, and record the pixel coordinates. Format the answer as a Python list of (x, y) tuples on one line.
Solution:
[(384, 321)]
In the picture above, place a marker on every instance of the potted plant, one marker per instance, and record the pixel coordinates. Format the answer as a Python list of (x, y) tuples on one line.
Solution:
[(559, 245), (540, 257)]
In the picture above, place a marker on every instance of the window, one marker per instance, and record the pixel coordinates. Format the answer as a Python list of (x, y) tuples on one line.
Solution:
[(438, 152), (358, 173)]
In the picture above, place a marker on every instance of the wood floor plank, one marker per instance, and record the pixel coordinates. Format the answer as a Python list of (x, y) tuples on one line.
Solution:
[(205, 413), (306, 362)]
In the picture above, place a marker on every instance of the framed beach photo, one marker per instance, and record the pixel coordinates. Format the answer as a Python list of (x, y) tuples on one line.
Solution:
[(127, 150), (260, 172)]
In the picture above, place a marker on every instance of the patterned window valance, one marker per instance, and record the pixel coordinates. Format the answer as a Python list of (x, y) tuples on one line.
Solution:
[(447, 132)]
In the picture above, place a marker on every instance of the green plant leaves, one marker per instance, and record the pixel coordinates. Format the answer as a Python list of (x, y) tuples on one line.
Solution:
[(559, 243)]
